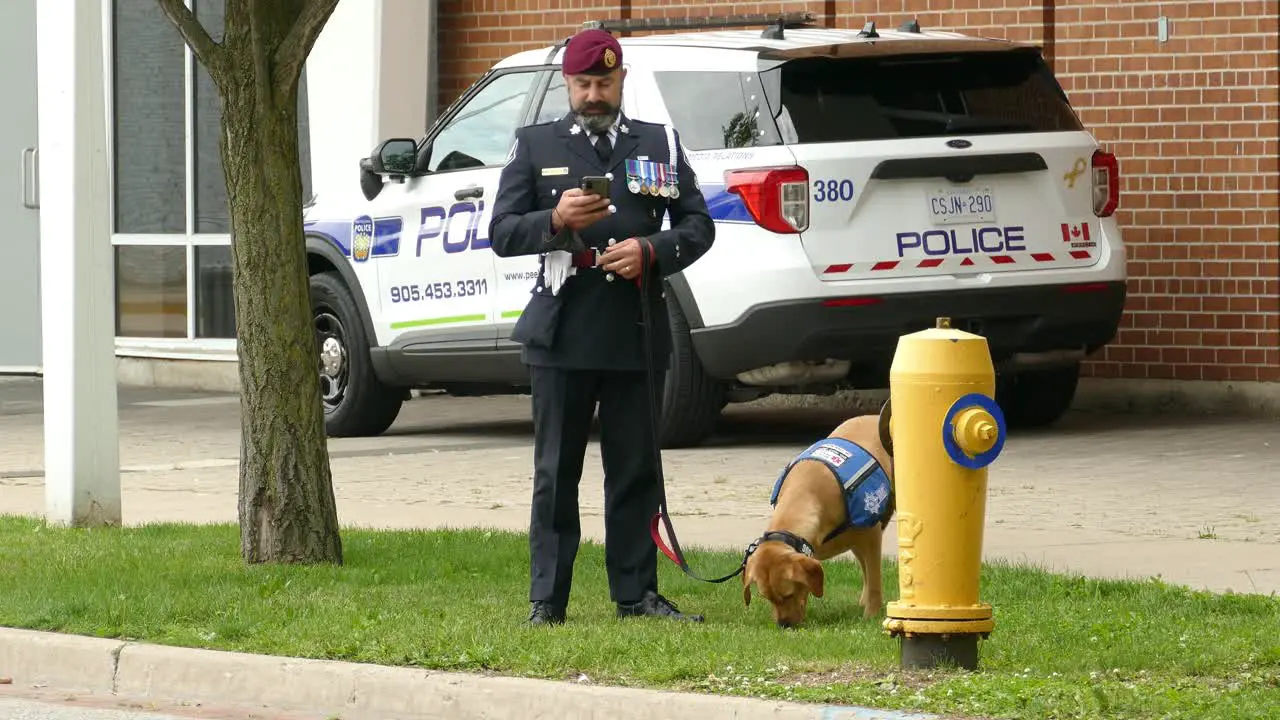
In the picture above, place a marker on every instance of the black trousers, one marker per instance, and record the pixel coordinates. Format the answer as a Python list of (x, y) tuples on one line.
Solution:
[(564, 402)]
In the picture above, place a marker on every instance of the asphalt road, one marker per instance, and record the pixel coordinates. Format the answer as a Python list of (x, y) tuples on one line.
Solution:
[(38, 704), (29, 710)]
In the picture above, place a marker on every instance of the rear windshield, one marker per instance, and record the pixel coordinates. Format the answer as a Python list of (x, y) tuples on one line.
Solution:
[(816, 100), (714, 110)]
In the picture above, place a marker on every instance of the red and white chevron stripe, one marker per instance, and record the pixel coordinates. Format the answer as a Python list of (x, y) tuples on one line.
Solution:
[(967, 261)]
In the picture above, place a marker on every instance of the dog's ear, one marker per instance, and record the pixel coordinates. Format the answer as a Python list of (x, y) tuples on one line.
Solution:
[(747, 580), (813, 576)]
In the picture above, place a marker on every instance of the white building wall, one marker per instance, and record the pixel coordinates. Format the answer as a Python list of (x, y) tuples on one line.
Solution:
[(342, 91), (369, 79)]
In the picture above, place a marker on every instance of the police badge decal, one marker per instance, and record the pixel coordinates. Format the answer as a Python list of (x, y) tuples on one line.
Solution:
[(361, 238)]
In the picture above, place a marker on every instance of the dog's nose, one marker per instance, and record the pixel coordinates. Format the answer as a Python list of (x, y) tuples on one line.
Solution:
[(785, 624)]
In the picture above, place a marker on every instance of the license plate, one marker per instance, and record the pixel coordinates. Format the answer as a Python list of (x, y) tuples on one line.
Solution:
[(955, 207)]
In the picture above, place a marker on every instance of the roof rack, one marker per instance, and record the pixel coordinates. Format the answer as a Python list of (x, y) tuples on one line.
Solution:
[(777, 20)]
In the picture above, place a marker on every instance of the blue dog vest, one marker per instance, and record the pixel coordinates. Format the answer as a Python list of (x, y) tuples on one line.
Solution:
[(868, 494)]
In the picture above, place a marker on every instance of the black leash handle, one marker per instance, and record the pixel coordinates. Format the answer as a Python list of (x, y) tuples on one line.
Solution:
[(674, 553)]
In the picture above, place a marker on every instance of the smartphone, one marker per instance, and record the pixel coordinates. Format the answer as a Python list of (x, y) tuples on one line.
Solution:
[(596, 184)]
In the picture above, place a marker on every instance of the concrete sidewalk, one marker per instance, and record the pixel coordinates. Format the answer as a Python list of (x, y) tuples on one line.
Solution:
[(1192, 500)]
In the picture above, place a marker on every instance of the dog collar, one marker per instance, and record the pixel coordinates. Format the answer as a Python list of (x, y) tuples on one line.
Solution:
[(795, 542)]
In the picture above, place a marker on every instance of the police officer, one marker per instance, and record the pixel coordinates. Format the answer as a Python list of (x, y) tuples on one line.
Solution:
[(581, 333)]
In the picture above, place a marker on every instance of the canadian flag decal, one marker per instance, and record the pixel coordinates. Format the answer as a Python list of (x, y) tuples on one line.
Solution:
[(1075, 233)]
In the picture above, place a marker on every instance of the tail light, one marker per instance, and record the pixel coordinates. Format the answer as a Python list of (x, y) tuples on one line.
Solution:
[(1106, 183), (777, 198)]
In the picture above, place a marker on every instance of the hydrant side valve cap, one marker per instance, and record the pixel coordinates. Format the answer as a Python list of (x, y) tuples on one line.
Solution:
[(973, 431)]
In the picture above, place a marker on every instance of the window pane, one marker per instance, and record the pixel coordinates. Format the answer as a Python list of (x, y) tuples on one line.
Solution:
[(151, 291), (716, 110), (215, 308), (480, 134), (883, 98), (212, 213), (555, 103), (211, 190), (304, 135), (150, 158), (210, 14)]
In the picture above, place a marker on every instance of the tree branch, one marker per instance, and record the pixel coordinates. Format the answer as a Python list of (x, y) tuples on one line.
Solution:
[(293, 52), (208, 52)]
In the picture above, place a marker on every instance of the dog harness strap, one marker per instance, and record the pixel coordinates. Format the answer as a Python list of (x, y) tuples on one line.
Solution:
[(868, 492)]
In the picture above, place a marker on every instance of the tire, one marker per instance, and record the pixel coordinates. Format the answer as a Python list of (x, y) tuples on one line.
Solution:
[(355, 402), (1037, 398), (691, 400)]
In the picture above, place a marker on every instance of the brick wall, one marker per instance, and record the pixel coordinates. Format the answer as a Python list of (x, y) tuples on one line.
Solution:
[(481, 32), (1195, 122)]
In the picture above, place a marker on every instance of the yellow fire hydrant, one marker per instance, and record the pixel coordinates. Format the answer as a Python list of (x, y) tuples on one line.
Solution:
[(943, 428)]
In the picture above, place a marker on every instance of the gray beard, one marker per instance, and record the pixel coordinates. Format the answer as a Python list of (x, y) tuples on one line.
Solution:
[(596, 123)]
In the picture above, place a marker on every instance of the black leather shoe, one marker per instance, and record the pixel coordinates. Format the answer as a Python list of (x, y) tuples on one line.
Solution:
[(544, 613), (654, 605)]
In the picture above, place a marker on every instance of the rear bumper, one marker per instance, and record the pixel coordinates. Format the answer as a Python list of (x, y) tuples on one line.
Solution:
[(1040, 319)]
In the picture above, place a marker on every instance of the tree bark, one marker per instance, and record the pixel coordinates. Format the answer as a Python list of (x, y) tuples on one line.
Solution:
[(287, 509)]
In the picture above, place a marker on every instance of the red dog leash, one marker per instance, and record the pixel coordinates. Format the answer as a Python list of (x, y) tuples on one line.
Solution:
[(673, 552)]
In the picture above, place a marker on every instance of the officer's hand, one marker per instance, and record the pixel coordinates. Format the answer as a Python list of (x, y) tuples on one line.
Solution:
[(578, 209), (624, 259)]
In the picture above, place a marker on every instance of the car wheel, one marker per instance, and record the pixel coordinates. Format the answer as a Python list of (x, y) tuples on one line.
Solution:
[(691, 400), (355, 402), (1037, 398)]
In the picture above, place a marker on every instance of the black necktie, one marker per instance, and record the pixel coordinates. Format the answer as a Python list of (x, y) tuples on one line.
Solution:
[(603, 149)]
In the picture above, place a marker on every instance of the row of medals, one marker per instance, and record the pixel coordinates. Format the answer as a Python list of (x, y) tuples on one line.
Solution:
[(641, 186)]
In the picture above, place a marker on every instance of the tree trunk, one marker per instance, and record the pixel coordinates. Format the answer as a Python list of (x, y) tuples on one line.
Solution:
[(286, 506)]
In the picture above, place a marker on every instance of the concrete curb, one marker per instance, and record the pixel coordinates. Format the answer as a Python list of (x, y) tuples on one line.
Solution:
[(67, 662), (1192, 397), (353, 691)]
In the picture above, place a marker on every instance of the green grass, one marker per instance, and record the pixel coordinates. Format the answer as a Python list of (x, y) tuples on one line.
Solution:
[(1063, 647)]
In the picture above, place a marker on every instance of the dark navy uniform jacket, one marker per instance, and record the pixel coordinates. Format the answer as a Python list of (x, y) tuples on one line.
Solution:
[(593, 323)]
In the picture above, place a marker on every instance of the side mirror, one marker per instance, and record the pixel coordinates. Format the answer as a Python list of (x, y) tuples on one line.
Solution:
[(396, 158)]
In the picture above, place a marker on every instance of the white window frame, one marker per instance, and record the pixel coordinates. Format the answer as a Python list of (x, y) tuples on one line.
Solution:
[(190, 347)]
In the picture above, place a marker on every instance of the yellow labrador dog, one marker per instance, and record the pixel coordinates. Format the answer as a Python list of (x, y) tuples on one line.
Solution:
[(835, 496)]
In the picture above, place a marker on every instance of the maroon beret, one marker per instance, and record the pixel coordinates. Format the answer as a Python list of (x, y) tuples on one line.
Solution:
[(592, 52)]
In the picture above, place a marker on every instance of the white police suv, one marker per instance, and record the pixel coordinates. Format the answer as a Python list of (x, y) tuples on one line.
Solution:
[(863, 183)]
